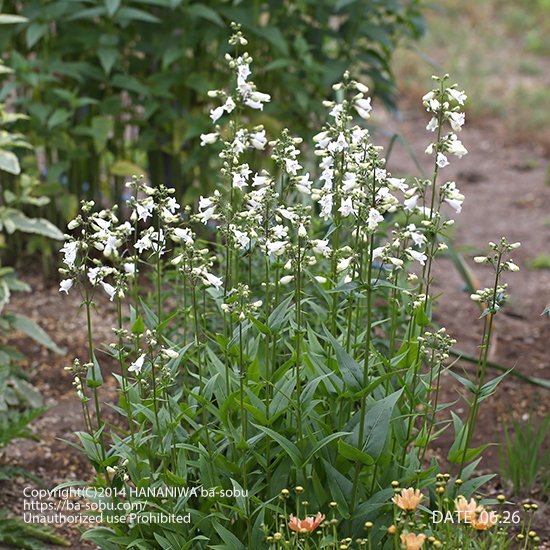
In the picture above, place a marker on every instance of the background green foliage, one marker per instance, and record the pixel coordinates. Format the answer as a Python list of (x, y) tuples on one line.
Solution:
[(117, 87)]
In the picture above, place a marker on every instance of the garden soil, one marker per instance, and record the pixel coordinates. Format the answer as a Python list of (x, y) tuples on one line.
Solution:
[(507, 192)]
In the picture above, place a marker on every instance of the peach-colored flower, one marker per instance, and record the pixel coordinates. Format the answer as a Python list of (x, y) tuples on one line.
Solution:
[(306, 525), (466, 511), (412, 542), (408, 499), (484, 519)]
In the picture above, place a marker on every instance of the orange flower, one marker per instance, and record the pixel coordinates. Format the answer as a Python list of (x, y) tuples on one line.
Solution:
[(408, 499), (484, 519), (412, 542), (306, 525), (466, 511)]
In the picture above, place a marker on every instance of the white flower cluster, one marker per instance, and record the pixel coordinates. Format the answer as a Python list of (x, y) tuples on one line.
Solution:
[(274, 214), (493, 297), (101, 232), (107, 253)]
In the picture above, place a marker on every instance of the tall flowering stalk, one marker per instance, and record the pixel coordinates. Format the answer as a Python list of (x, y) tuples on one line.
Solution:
[(492, 299)]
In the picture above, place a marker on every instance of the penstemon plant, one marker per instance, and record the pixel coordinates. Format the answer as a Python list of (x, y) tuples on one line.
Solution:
[(277, 336)]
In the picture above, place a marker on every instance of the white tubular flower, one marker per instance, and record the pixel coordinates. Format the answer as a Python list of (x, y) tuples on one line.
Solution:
[(94, 275), (69, 250), (207, 209), (243, 72), (279, 231), (363, 107), (346, 207), (137, 365), (286, 279), (457, 95), (258, 181), (258, 140), (434, 105), (215, 114), (337, 110), (211, 280), (415, 235), (256, 100), (287, 214), (321, 246), (455, 204), (144, 209), (208, 139), (182, 234), (111, 245), (65, 285), (303, 184), (302, 232), (276, 247), (427, 97), (442, 160), (109, 289), (321, 136), (349, 182), (101, 223), (239, 181), (481, 259), (129, 268), (511, 266), (432, 125), (343, 264), (452, 196), (420, 257), (243, 240), (205, 202), (397, 184), (457, 121), (292, 166), (373, 219), (455, 147), (143, 244), (321, 280), (229, 105), (410, 203)]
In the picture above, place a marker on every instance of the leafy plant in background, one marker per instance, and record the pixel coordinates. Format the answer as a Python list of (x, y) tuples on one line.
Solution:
[(278, 339), (118, 87), (20, 402), (525, 455)]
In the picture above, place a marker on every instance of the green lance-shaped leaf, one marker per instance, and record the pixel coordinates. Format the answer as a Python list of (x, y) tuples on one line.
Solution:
[(376, 427), (351, 371), (94, 378)]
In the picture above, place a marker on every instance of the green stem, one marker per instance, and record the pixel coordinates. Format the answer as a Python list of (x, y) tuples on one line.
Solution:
[(363, 405)]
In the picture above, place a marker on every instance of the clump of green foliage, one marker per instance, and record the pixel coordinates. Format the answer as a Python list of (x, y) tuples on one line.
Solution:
[(113, 88)]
